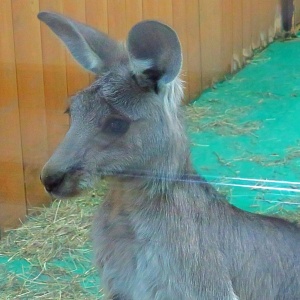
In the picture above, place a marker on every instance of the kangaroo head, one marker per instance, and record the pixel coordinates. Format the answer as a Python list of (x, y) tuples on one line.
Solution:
[(128, 118)]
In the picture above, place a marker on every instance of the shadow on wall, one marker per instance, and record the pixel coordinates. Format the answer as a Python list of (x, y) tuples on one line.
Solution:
[(288, 9)]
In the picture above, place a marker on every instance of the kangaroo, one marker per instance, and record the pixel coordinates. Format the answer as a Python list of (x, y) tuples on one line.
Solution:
[(163, 232)]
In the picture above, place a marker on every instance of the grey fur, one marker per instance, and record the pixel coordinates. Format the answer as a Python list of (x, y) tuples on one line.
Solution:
[(162, 232)]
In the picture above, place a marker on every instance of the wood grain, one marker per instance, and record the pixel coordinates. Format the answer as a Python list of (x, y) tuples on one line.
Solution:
[(12, 193), (30, 85), (38, 74)]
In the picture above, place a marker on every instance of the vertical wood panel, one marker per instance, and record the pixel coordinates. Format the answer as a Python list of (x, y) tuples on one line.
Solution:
[(12, 193), (237, 25), (297, 11), (165, 12), (263, 22), (116, 10), (31, 96), (247, 29), (150, 9), (271, 12), (134, 13), (179, 24), (96, 14), (55, 80), (193, 49), (278, 17), (227, 35), (276, 9), (211, 41), (255, 21)]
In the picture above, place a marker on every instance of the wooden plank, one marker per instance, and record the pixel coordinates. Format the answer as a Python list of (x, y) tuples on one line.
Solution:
[(134, 13), (237, 26), (12, 192), (28, 55), (55, 80), (193, 49), (179, 25), (278, 17), (276, 24), (211, 40), (77, 77), (255, 21), (297, 12), (150, 9), (117, 19), (264, 14), (165, 12), (96, 14), (227, 36), (247, 29), (271, 12)]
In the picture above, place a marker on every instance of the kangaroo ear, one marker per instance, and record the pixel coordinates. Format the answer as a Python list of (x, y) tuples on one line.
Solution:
[(94, 50), (154, 52)]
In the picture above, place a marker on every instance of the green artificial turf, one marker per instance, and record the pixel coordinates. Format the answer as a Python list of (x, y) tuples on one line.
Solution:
[(249, 128)]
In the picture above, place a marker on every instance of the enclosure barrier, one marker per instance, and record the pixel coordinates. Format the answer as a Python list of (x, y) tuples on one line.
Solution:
[(37, 75)]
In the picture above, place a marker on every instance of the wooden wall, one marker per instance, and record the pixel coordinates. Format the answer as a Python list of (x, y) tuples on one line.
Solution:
[(297, 13), (37, 74)]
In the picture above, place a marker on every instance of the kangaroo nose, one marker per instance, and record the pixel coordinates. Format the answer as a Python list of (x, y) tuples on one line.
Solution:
[(52, 181)]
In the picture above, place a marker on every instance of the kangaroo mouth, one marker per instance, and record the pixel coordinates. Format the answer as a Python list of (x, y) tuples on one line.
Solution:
[(68, 189), (63, 184)]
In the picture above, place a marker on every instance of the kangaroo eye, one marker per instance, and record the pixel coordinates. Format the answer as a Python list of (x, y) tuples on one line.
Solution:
[(116, 125)]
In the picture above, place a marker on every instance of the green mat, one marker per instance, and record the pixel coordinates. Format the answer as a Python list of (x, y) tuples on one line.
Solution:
[(248, 127)]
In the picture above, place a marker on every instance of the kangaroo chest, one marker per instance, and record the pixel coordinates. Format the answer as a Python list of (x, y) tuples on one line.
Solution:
[(138, 253), (130, 257)]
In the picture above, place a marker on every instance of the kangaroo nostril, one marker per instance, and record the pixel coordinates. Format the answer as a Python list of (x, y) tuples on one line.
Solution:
[(52, 182)]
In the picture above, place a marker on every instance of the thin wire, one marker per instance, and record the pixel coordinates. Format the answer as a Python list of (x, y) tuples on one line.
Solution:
[(199, 179), (254, 179), (259, 187)]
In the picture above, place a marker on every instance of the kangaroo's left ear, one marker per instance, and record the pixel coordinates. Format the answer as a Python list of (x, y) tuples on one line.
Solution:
[(154, 53), (94, 50)]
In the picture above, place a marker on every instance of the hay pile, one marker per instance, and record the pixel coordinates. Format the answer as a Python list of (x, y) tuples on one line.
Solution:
[(49, 256)]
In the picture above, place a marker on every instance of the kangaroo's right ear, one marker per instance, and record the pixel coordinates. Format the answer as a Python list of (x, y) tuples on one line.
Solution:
[(94, 50), (154, 52)]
